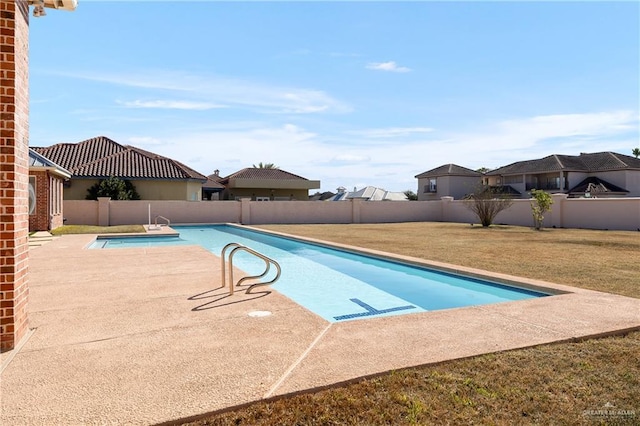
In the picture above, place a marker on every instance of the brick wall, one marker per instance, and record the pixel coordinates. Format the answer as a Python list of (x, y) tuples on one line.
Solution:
[(14, 171)]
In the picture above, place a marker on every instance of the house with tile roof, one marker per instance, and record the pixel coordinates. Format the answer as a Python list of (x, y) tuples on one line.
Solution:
[(155, 177), (600, 174), (261, 184), (212, 188), (448, 180), (46, 180)]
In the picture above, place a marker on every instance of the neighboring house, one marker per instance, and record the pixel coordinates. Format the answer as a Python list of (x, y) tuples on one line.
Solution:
[(449, 180), (266, 185), (321, 196), (155, 177), (368, 193), (601, 174), (212, 188), (46, 180)]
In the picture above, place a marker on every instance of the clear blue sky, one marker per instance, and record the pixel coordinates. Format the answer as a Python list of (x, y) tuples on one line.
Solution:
[(349, 93)]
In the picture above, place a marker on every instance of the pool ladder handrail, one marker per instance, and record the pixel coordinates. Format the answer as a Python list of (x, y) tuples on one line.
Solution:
[(267, 260), (162, 217)]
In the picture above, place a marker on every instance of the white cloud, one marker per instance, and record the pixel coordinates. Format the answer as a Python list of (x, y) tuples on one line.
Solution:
[(571, 125), (387, 66), (504, 142), (392, 132), (167, 104), (350, 159), (232, 92)]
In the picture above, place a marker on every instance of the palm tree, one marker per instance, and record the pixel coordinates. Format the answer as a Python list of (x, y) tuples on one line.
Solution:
[(265, 166), (636, 152)]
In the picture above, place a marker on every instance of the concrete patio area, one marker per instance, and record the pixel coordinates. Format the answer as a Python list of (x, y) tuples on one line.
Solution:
[(144, 336)]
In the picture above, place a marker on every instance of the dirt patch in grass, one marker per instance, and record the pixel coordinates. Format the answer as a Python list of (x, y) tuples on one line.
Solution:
[(583, 383)]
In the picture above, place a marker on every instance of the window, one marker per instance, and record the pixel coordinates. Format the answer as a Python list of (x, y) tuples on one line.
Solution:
[(262, 198), (553, 182), (32, 195), (58, 186), (513, 179), (432, 186)]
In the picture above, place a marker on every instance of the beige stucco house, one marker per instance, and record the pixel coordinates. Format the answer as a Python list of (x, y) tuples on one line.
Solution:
[(265, 185), (449, 180), (600, 174), (155, 177)]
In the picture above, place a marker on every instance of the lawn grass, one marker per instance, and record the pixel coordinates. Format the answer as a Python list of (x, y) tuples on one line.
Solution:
[(567, 383), (87, 229)]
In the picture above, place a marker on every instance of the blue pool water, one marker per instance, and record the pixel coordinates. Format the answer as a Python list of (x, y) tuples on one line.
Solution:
[(336, 284)]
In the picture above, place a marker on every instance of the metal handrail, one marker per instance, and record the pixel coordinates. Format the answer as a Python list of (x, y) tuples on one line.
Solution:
[(267, 260), (162, 217)]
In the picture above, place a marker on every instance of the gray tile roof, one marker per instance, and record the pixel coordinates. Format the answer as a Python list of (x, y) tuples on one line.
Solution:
[(599, 161), (609, 161), (101, 157), (596, 185), (449, 170)]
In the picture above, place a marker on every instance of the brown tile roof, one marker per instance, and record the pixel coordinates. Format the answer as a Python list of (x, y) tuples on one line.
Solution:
[(215, 176), (212, 183), (599, 161), (256, 173), (101, 157), (449, 170)]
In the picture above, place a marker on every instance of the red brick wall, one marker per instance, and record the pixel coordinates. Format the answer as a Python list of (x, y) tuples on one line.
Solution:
[(14, 171)]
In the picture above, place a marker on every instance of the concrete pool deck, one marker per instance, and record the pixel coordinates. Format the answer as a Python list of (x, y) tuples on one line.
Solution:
[(145, 336)]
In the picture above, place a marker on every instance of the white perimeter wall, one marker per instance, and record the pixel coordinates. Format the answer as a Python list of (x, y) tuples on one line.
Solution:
[(597, 213)]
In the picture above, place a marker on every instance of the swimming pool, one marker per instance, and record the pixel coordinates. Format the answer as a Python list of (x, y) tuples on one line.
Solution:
[(337, 284)]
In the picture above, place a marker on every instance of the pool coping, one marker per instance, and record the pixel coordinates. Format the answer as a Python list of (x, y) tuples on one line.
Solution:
[(143, 353)]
